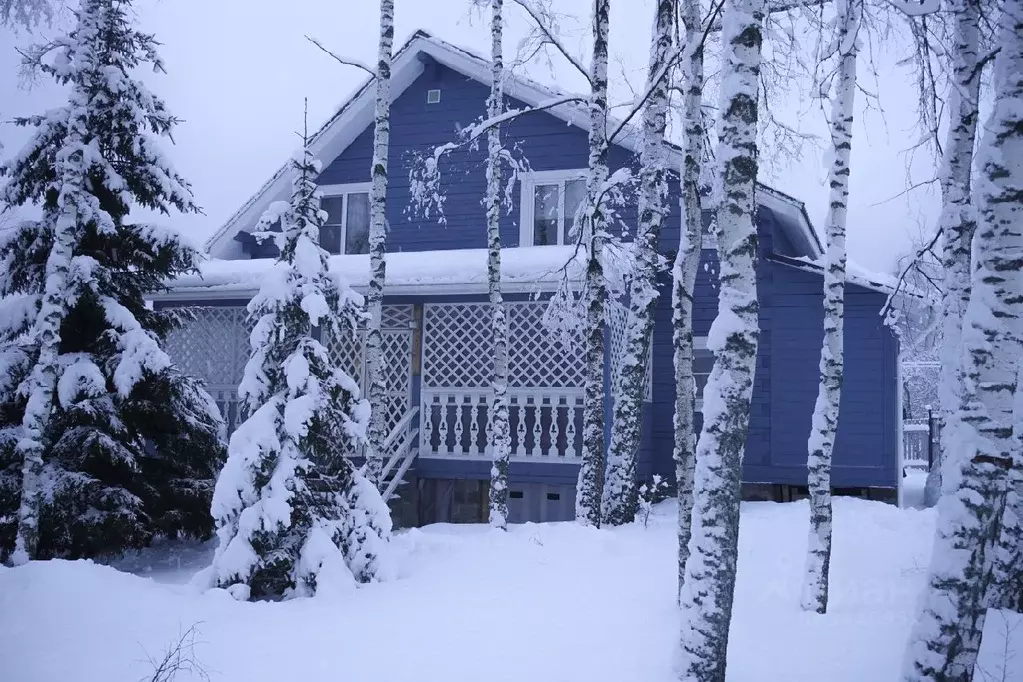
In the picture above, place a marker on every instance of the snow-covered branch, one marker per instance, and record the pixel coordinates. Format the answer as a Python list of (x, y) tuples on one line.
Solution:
[(542, 15)]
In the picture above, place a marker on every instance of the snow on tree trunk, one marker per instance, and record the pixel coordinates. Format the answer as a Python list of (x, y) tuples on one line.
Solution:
[(824, 423), (958, 223), (500, 433), (711, 569), (683, 276), (591, 494), (43, 379), (627, 420), (375, 377), (966, 556), (293, 513)]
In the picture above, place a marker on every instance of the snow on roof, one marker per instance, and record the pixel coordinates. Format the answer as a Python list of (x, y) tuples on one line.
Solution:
[(854, 273), (462, 271), (356, 114)]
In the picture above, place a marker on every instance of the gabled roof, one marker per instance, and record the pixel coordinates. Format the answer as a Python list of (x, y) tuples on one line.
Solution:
[(355, 115)]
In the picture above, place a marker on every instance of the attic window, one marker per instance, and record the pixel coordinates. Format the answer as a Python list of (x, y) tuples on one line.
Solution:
[(432, 96)]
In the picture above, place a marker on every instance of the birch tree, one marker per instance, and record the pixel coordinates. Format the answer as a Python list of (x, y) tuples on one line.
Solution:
[(291, 509), (709, 585), (115, 445), (620, 487), (825, 414), (683, 280), (499, 422), (963, 572), (375, 371)]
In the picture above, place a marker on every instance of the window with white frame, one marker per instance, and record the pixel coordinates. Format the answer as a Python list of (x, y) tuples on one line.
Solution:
[(347, 226), (703, 363), (550, 200)]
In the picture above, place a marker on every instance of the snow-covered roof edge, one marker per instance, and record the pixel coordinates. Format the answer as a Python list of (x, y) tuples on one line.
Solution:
[(854, 274), (354, 115)]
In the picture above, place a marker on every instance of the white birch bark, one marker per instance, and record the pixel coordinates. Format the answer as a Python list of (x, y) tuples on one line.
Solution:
[(590, 495), (825, 414), (946, 636), (687, 262), (377, 386), (709, 587), (958, 223), (620, 484), (500, 430), (43, 380)]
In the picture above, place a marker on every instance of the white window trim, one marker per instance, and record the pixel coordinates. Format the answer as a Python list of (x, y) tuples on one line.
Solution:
[(527, 201), (334, 191), (699, 343)]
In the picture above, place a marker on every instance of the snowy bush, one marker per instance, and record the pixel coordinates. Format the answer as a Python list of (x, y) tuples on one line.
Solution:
[(650, 494)]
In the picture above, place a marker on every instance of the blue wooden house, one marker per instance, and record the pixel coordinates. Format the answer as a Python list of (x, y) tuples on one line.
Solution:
[(435, 319)]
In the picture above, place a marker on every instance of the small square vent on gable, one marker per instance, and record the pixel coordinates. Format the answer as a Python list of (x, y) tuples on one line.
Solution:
[(432, 96)]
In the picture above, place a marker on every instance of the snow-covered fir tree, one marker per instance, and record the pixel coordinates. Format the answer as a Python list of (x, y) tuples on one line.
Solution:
[(967, 573), (291, 510), (500, 427), (592, 499), (683, 278), (627, 419), (111, 444), (375, 370), (824, 423), (709, 585)]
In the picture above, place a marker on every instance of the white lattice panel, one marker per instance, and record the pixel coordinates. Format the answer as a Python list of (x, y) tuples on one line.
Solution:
[(214, 346), (458, 348), (616, 317)]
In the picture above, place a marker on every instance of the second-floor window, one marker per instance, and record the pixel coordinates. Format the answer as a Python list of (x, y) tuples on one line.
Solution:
[(550, 200), (347, 226)]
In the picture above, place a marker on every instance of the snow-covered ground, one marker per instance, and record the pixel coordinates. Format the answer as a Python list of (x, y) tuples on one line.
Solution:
[(555, 602)]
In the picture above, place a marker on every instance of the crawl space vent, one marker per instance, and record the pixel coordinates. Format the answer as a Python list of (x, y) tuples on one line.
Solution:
[(432, 96)]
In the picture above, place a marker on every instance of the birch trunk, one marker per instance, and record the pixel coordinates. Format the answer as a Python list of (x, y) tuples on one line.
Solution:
[(590, 495), (500, 429), (687, 262), (958, 223), (377, 386), (965, 559), (825, 414), (620, 485), (41, 384), (709, 587)]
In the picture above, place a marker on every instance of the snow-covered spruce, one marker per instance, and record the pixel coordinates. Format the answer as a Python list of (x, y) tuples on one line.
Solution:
[(113, 445), (375, 370), (958, 223), (627, 416), (290, 508), (26, 13), (500, 426), (966, 572), (683, 280), (591, 491), (709, 586), (824, 423)]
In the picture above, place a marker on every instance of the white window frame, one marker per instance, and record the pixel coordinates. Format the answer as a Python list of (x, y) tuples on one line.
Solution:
[(335, 191), (527, 199)]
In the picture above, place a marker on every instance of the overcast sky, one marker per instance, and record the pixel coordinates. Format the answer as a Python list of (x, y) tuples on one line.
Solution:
[(239, 69)]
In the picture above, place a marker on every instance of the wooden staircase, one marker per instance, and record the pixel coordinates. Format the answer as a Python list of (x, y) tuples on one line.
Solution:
[(401, 442)]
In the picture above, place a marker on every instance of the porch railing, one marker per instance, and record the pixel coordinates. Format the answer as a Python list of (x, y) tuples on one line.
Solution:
[(546, 423)]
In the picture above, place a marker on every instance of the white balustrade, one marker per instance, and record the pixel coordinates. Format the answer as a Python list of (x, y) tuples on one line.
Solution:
[(545, 423)]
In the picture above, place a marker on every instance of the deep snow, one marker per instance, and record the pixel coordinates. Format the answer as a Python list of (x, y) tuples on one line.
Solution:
[(575, 604)]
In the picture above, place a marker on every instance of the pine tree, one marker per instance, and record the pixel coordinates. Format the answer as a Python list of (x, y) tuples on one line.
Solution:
[(591, 497), (709, 585), (825, 414), (112, 443), (627, 419), (499, 422), (290, 508), (683, 276), (965, 572), (375, 377)]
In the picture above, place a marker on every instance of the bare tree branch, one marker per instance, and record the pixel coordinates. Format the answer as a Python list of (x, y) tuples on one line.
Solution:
[(543, 17), (343, 60)]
